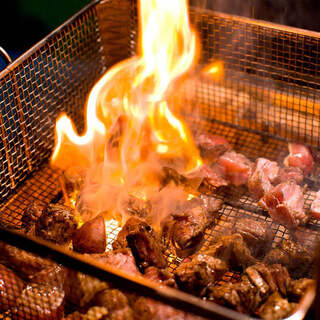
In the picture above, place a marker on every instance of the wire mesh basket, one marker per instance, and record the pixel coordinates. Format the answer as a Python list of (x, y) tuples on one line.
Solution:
[(268, 96)]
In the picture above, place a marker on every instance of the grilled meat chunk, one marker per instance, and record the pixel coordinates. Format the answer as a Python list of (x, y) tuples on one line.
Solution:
[(264, 172), (289, 173), (269, 278), (184, 229), (315, 206), (233, 250), (10, 288), (90, 237), (211, 146), (258, 235), (249, 294), (297, 258), (93, 313), (193, 276), (162, 276), (299, 287), (133, 206), (53, 276), (299, 157), (207, 177), (275, 308), (39, 302), (121, 259), (140, 237), (30, 215), (56, 224), (146, 309), (284, 203), (80, 288), (115, 302), (226, 295), (236, 167), (24, 263)]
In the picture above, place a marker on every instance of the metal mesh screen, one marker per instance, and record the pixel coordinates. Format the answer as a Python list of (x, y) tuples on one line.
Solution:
[(268, 95)]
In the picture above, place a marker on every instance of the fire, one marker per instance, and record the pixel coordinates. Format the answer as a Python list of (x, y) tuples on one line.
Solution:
[(215, 70), (129, 121)]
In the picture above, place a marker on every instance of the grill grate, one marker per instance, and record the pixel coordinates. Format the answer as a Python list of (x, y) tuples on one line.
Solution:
[(268, 95)]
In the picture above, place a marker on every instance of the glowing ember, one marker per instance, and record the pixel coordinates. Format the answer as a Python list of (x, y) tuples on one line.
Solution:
[(130, 128), (112, 229)]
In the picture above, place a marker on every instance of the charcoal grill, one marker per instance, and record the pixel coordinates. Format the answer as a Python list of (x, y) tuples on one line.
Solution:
[(268, 96)]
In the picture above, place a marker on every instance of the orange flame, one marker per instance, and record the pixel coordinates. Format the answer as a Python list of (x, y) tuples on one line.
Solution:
[(134, 91), (215, 70)]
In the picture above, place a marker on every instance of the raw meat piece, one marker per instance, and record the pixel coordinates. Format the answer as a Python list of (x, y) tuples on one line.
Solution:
[(299, 157), (289, 173), (211, 146), (236, 167), (284, 203), (263, 174)]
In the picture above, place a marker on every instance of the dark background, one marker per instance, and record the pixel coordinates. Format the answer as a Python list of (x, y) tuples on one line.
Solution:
[(24, 22)]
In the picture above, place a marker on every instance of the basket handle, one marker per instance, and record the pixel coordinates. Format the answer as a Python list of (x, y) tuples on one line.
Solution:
[(5, 54)]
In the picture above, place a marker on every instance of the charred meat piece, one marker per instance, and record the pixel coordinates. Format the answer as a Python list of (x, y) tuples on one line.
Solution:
[(80, 288), (315, 206), (184, 229), (24, 263), (226, 295), (269, 278), (143, 242), (30, 215), (10, 288), (133, 206), (193, 276), (299, 287), (258, 235), (249, 294), (233, 250), (162, 276), (284, 203), (115, 302), (289, 173), (121, 259), (297, 258), (275, 308), (236, 167), (277, 255), (146, 309), (301, 258), (264, 172), (56, 224), (90, 237), (53, 276), (211, 146), (299, 157), (93, 313), (39, 302)]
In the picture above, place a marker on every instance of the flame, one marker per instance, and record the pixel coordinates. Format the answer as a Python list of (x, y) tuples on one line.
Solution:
[(128, 117), (215, 70)]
